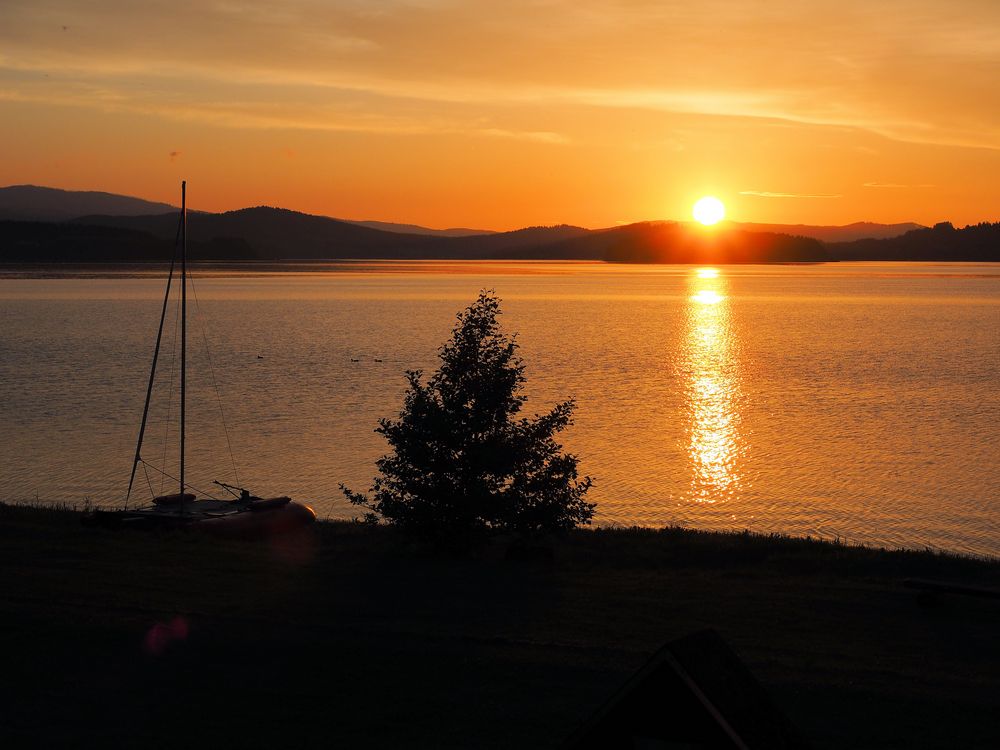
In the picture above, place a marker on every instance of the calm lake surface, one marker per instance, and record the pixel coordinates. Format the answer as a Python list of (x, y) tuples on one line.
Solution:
[(852, 400)]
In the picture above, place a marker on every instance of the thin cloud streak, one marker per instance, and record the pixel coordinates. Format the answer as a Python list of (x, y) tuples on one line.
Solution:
[(541, 136), (896, 185), (250, 117), (764, 105), (883, 79), (768, 194)]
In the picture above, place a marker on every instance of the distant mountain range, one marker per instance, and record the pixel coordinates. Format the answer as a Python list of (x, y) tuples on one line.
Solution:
[(280, 234), (42, 225), (859, 230), (33, 203)]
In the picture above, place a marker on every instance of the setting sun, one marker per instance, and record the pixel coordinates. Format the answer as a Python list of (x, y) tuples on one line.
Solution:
[(709, 210)]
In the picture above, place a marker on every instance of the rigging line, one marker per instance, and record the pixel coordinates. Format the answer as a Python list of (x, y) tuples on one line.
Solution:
[(170, 391), (151, 493), (152, 370), (211, 369), (186, 485)]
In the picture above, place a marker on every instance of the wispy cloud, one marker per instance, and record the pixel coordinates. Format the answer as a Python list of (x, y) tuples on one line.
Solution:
[(796, 62), (769, 194), (539, 136), (339, 112), (896, 185)]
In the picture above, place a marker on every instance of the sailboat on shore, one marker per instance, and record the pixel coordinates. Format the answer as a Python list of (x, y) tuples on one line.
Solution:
[(244, 515)]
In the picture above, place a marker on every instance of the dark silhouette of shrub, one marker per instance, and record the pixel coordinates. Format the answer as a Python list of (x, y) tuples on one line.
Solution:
[(463, 462)]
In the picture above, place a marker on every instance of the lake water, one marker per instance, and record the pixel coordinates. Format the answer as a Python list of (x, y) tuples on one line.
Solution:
[(851, 400)]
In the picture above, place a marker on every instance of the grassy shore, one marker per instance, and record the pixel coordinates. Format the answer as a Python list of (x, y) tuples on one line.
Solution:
[(351, 637)]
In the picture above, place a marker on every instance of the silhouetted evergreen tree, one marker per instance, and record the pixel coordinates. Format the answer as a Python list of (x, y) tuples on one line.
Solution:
[(463, 461)]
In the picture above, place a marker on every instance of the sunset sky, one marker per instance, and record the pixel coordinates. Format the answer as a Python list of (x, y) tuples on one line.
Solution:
[(501, 115)]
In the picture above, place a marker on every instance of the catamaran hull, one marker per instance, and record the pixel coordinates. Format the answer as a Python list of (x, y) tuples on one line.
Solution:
[(259, 524), (261, 520)]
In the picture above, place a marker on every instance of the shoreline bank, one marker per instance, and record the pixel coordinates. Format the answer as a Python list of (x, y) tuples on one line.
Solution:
[(351, 633)]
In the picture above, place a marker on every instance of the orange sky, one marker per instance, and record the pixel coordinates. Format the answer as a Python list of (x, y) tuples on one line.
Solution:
[(500, 115)]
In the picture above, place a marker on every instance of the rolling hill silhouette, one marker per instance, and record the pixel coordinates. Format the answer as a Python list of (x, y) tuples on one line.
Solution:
[(34, 203), (280, 234), (942, 242), (42, 242), (847, 233), (673, 242), (274, 234)]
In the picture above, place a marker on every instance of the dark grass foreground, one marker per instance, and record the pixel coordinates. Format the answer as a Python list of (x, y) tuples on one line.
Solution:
[(351, 638)]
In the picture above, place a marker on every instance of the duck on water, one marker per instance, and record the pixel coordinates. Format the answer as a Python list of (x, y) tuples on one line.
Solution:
[(244, 515)]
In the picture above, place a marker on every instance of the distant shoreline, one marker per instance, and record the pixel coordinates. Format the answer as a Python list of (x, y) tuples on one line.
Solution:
[(156, 269)]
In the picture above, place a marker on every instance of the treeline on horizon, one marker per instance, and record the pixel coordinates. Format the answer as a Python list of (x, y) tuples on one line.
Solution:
[(271, 234)]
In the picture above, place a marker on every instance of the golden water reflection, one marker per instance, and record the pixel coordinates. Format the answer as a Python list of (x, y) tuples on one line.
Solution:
[(712, 390)]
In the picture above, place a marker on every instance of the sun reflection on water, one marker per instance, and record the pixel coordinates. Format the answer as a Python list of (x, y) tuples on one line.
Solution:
[(707, 297), (712, 390)]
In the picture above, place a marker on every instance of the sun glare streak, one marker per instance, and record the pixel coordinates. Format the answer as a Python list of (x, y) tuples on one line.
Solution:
[(708, 273), (712, 392)]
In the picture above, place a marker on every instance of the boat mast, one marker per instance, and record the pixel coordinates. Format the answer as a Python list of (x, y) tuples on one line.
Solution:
[(180, 505), (152, 372)]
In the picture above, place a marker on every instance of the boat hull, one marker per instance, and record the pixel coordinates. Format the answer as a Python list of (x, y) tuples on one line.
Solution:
[(258, 520), (259, 523)]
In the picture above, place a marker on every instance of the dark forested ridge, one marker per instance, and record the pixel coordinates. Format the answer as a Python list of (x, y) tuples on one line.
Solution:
[(274, 234), (942, 242), (280, 234), (663, 242), (40, 242), (846, 233), (390, 226), (277, 234)]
